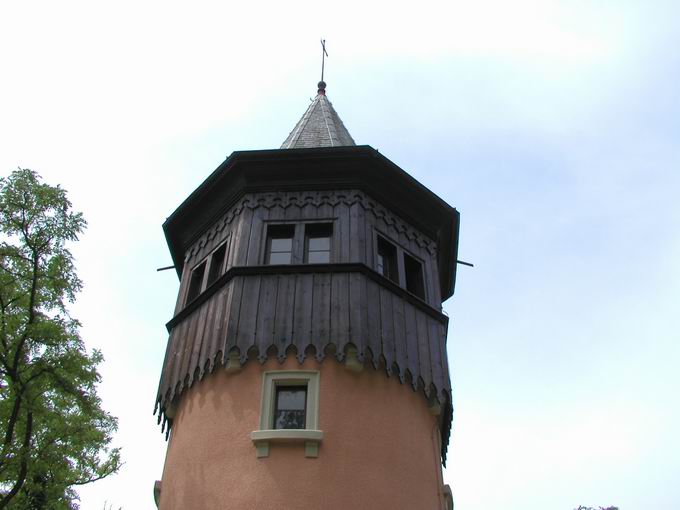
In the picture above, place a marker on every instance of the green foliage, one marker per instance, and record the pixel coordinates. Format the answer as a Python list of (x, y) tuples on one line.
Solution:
[(581, 507), (54, 435)]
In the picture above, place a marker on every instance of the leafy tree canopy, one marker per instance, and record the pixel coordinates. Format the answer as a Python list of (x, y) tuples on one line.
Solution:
[(54, 435), (581, 507)]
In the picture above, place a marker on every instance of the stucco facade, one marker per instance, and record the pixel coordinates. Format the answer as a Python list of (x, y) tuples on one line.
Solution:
[(380, 449)]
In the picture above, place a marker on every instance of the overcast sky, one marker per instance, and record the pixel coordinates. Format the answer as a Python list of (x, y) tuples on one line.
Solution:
[(552, 126)]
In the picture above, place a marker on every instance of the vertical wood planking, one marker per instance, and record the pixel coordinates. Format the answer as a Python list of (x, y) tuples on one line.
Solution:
[(413, 363), (231, 229), (357, 233), (357, 310), (183, 283), (199, 340), (302, 315), (341, 211), (232, 318), (434, 279), (264, 329), (177, 338), (436, 342), (387, 326), (339, 315), (369, 220), (217, 327), (423, 347), (400, 347), (284, 313), (187, 348), (321, 295), (374, 331), (247, 320), (255, 243), (240, 250), (323, 210), (446, 376), (431, 284)]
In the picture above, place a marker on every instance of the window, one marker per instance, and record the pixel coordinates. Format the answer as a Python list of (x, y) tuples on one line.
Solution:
[(196, 282), (279, 248), (216, 264), (290, 407), (414, 276), (318, 243), (387, 260), (289, 411), (404, 269)]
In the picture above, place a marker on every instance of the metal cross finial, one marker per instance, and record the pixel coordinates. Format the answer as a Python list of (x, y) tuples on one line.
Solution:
[(324, 54)]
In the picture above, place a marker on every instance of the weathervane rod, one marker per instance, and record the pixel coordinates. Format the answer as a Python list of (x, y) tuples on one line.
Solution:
[(324, 54)]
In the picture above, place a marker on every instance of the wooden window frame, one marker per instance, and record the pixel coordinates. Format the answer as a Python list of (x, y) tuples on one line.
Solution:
[(211, 260), (298, 255), (400, 252), (308, 235), (207, 261), (393, 261), (269, 236), (421, 271), (194, 290)]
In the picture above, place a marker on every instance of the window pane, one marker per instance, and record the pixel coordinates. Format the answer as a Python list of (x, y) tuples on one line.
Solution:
[(387, 260), (319, 257), (292, 399), (279, 258), (196, 282), (279, 245), (319, 244), (290, 407), (216, 263), (414, 276)]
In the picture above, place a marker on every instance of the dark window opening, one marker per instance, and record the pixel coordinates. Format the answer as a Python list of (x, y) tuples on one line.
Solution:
[(279, 244), (195, 282), (318, 243), (414, 276), (290, 407), (387, 260), (216, 264)]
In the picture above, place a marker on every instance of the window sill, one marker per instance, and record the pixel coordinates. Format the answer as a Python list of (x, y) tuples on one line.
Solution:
[(311, 438)]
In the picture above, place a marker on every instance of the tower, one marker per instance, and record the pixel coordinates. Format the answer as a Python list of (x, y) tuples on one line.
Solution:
[(306, 365)]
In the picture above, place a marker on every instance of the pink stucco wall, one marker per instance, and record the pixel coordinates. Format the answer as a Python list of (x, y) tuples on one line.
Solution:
[(380, 447)]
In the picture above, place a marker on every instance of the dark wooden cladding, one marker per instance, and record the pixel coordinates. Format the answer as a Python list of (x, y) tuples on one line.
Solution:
[(263, 314), (259, 311), (355, 217)]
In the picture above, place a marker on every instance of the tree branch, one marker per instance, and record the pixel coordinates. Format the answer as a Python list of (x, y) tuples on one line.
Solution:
[(24, 462)]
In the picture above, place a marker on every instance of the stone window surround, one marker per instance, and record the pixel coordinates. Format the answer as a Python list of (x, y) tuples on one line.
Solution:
[(310, 436)]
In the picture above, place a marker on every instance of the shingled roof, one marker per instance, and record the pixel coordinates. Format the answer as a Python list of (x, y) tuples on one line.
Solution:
[(320, 126)]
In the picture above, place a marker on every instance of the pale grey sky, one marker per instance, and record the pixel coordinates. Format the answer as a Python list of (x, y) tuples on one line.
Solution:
[(551, 125)]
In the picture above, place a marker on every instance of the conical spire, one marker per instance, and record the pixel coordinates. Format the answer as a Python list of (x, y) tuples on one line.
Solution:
[(320, 126)]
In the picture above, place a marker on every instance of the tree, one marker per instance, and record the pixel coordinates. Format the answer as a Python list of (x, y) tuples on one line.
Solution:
[(581, 507), (54, 435)]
